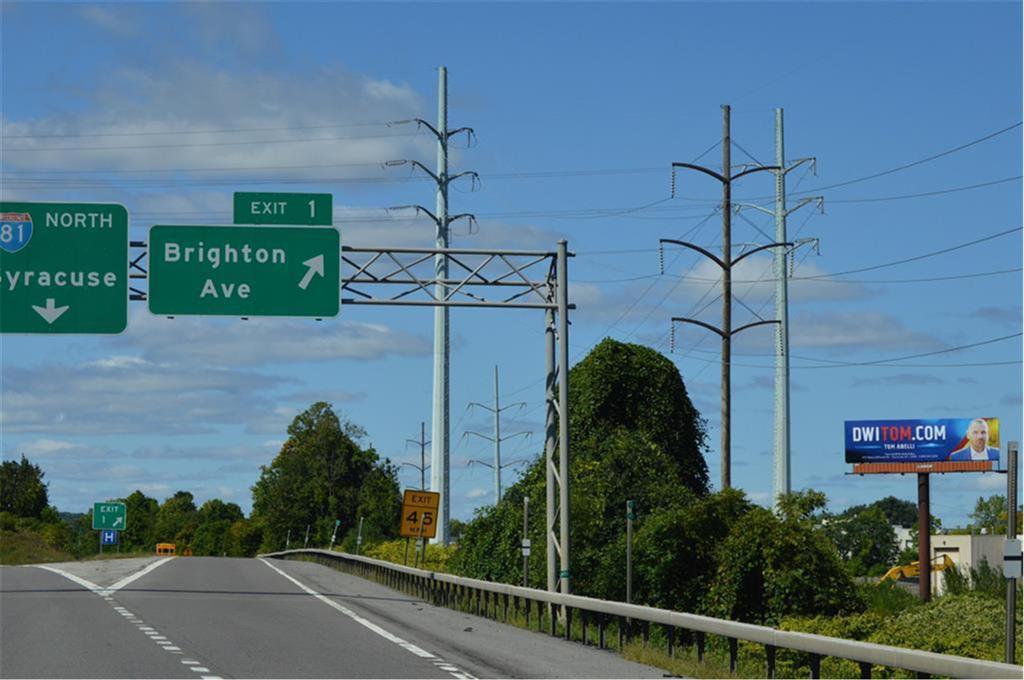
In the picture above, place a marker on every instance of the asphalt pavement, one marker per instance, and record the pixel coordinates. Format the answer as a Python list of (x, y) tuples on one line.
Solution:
[(198, 617)]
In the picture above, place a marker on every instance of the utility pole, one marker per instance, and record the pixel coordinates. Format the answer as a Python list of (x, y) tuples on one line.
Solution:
[(497, 438), (630, 516), (726, 263), (781, 461), (525, 544), (422, 467), (440, 424)]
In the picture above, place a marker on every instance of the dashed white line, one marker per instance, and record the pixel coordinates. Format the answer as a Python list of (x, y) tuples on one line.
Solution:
[(200, 669)]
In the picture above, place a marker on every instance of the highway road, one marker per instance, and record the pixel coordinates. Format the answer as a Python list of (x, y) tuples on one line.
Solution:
[(204, 617)]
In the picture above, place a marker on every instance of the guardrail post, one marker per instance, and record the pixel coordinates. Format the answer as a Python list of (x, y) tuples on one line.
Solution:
[(568, 622), (769, 652), (602, 622), (865, 670), (815, 665), (732, 654), (670, 633), (622, 632), (583, 620), (554, 620), (526, 606), (700, 646), (646, 633)]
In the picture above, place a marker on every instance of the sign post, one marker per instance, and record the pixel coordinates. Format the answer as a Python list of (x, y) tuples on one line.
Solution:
[(64, 268), (1012, 554), (244, 271)]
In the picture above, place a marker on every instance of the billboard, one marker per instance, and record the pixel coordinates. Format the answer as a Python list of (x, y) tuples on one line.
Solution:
[(921, 441)]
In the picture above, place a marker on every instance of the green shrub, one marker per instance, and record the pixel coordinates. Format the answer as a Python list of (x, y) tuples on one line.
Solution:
[(965, 625), (7, 521), (887, 598)]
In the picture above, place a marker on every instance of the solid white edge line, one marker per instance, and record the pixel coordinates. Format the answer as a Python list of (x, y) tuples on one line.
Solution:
[(355, 617)]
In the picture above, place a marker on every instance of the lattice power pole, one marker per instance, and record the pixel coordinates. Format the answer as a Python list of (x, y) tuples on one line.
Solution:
[(497, 439)]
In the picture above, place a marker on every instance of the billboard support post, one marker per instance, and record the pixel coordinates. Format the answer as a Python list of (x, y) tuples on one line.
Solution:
[(1011, 534), (924, 539)]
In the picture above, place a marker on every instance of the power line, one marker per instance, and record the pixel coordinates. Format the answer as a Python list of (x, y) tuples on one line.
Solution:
[(928, 193), (914, 163)]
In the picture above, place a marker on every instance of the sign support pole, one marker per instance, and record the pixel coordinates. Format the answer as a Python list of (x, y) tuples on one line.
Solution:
[(924, 539), (1011, 534)]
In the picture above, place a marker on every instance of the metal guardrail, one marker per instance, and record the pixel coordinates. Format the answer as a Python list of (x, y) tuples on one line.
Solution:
[(448, 590)]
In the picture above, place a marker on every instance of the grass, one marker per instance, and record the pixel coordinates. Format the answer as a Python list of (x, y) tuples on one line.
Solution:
[(28, 547)]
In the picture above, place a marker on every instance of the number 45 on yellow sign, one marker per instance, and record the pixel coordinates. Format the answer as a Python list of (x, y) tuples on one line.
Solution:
[(419, 514)]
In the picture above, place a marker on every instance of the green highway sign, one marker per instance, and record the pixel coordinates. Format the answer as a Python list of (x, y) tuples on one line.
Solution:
[(63, 267), (279, 208), (244, 271), (109, 516)]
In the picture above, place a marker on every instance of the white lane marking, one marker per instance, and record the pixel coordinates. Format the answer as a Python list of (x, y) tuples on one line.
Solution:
[(105, 593), (131, 577), (355, 617), (408, 646), (88, 585), (190, 662)]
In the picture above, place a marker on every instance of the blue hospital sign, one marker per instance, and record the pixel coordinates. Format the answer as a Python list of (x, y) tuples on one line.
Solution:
[(918, 441), (108, 537)]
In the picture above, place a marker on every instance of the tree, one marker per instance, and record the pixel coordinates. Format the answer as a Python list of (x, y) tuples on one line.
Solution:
[(635, 435), (141, 511), (322, 475), (22, 490), (177, 519), (866, 540), (990, 514), (774, 566)]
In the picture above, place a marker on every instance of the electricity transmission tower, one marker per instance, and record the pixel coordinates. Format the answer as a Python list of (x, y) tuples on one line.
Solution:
[(440, 425), (782, 454), (422, 467), (497, 438), (726, 263)]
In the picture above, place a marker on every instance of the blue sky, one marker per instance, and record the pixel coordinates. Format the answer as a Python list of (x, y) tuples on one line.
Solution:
[(579, 111)]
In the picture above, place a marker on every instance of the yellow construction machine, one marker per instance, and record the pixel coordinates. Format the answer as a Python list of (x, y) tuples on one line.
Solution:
[(939, 563)]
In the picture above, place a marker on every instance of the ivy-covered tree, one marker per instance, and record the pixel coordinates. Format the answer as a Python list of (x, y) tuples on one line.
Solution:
[(322, 475), (22, 490), (634, 435)]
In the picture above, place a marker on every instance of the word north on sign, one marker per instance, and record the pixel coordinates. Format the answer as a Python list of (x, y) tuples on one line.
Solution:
[(283, 208), (244, 271), (63, 267)]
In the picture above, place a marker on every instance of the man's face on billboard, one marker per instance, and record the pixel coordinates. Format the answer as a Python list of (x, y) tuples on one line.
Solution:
[(978, 436)]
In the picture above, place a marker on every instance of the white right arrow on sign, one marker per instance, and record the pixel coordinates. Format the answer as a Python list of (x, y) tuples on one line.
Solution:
[(316, 266), (50, 313)]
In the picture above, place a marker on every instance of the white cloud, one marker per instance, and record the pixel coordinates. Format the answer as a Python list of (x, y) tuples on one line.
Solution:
[(293, 121), (115, 398), (45, 447), (473, 494), (118, 23), (265, 341), (855, 329)]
